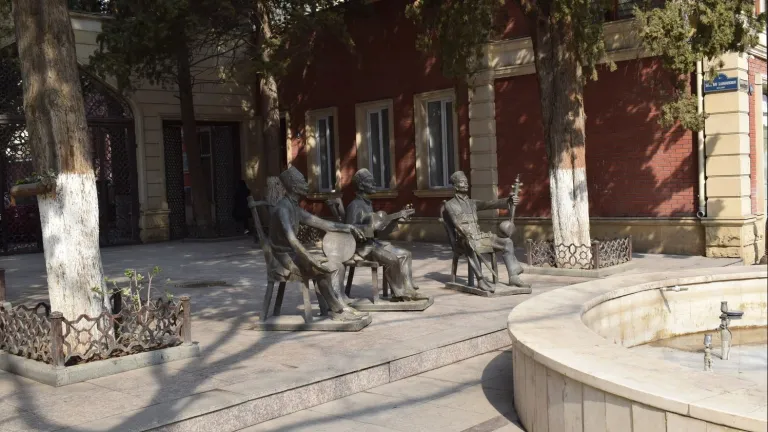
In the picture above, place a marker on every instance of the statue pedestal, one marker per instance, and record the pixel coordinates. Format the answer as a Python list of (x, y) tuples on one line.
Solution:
[(319, 323), (501, 290), (384, 304)]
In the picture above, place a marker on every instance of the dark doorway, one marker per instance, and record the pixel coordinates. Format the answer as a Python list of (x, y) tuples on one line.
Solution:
[(220, 157)]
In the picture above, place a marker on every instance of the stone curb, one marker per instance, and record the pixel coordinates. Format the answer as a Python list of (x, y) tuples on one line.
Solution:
[(61, 376), (224, 411), (599, 273)]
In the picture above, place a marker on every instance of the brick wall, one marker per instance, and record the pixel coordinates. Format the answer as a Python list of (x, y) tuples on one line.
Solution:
[(634, 167), (384, 65), (756, 67)]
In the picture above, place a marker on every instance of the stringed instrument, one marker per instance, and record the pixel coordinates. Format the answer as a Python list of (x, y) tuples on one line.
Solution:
[(508, 226), (382, 219)]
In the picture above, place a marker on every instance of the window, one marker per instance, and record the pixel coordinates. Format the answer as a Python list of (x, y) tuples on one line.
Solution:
[(436, 140), (204, 136), (325, 153), (441, 142), (378, 140), (322, 142), (375, 142)]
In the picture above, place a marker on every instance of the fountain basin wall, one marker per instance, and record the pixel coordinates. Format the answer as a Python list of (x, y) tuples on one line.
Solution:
[(638, 315), (572, 370)]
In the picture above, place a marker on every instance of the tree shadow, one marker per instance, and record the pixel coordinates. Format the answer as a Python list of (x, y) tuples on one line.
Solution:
[(227, 347), (635, 168)]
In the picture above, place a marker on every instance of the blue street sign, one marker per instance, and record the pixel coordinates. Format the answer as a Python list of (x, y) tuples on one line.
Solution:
[(721, 83)]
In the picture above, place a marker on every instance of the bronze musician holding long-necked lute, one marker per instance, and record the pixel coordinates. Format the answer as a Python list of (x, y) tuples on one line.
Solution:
[(463, 213)]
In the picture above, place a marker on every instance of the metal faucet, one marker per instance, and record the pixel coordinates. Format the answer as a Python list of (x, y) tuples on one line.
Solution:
[(725, 333), (708, 353)]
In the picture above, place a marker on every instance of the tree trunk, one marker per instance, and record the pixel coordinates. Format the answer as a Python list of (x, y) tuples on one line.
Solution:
[(269, 106), (561, 86), (58, 137), (271, 123), (201, 200)]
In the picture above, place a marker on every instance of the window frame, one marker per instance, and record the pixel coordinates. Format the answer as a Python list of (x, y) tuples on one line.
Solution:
[(330, 156), (421, 117), (363, 140), (314, 172)]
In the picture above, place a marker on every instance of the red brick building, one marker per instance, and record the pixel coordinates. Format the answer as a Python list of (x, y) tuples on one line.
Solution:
[(387, 107)]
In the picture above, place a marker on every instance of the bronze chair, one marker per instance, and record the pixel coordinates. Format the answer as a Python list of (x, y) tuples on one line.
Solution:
[(337, 208), (459, 251), (273, 279)]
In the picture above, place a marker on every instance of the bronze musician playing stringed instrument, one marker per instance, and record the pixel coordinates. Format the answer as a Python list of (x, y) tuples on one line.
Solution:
[(396, 261), (463, 213)]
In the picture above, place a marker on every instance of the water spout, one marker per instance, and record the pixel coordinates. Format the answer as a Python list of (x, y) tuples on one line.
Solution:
[(708, 353), (725, 333)]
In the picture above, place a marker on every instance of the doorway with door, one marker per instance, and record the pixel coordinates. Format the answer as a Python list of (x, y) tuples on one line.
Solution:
[(220, 160)]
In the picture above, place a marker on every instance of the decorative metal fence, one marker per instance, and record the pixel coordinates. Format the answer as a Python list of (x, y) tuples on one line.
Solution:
[(113, 151), (38, 334), (600, 254)]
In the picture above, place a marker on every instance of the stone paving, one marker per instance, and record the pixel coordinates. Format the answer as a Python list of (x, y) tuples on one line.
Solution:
[(473, 395), (238, 365)]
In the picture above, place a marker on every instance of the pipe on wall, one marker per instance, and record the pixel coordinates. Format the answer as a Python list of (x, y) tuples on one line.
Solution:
[(700, 140)]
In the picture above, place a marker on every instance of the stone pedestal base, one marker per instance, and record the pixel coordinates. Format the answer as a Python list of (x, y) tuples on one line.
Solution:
[(501, 290), (319, 323), (384, 304)]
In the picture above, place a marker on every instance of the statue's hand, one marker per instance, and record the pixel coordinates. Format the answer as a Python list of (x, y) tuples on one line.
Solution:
[(319, 264), (515, 200), (355, 231)]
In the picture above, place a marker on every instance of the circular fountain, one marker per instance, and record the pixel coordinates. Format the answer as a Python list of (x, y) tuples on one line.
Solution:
[(628, 353)]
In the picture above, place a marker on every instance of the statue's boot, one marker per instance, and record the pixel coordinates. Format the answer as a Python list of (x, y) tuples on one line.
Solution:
[(413, 295), (514, 269), (347, 314), (515, 280)]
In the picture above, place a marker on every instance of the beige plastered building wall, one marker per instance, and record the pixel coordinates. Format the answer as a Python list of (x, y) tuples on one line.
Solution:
[(151, 105), (731, 227), (728, 230)]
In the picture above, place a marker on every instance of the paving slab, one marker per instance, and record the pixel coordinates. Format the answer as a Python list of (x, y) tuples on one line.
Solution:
[(418, 403), (244, 377)]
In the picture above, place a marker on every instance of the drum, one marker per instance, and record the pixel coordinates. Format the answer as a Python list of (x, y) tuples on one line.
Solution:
[(339, 246)]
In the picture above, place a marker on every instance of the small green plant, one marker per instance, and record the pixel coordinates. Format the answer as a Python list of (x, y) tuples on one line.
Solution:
[(46, 178), (131, 294)]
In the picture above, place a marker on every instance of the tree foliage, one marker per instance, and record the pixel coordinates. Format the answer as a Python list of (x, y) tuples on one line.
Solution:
[(680, 32), (684, 32), (143, 40), (281, 32), (457, 30)]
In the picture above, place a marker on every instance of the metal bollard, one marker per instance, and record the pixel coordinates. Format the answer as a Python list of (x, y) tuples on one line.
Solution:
[(187, 316), (57, 339)]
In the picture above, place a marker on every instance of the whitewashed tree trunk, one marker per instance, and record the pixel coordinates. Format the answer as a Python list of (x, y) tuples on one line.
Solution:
[(55, 120), (70, 223), (561, 84), (570, 215)]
